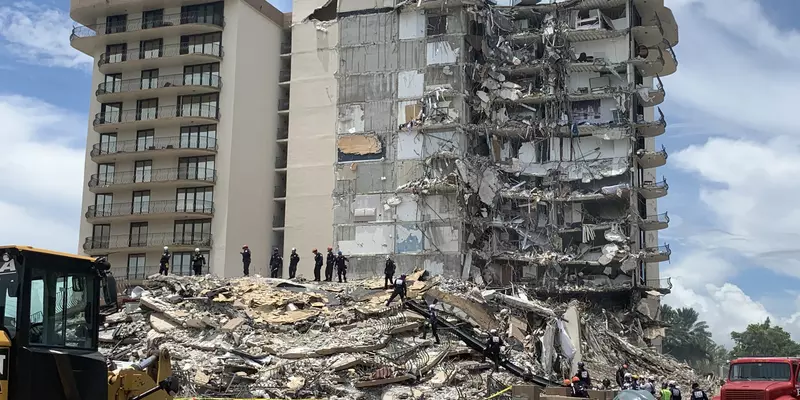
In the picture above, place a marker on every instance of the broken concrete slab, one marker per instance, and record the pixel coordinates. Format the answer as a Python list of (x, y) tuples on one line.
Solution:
[(233, 324), (161, 324)]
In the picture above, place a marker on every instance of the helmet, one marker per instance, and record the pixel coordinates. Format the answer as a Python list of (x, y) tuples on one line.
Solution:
[(671, 383), (314, 250), (580, 364), (635, 376), (339, 252), (387, 256), (275, 250), (566, 382), (330, 248), (627, 375), (493, 331), (575, 379), (197, 250), (651, 378), (166, 247), (294, 249), (244, 247)]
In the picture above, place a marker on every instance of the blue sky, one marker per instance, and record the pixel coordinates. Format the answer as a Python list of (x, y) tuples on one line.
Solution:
[(733, 165)]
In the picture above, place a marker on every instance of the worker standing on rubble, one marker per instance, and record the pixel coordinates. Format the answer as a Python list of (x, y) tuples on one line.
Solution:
[(697, 393), (620, 376), (329, 261), (275, 263), (388, 272), (665, 393), (246, 257), (674, 390), (198, 260), (163, 265), (649, 385), (583, 375), (432, 322), (400, 289), (294, 258), (493, 345), (341, 266), (578, 389), (317, 264), (627, 382)]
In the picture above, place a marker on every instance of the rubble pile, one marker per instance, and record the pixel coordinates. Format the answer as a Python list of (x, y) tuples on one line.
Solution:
[(261, 337)]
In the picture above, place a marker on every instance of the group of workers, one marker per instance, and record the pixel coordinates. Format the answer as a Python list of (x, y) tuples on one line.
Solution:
[(581, 383), (198, 261)]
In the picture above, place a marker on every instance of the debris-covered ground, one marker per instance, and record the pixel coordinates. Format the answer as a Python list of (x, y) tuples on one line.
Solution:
[(260, 337)]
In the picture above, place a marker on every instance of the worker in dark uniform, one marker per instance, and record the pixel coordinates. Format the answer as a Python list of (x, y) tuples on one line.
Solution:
[(163, 265), (583, 375), (432, 322), (578, 389), (317, 264), (620, 376), (275, 263), (400, 289), (675, 391), (246, 257), (341, 266), (697, 393), (492, 350), (198, 261), (330, 260), (388, 272), (294, 258)]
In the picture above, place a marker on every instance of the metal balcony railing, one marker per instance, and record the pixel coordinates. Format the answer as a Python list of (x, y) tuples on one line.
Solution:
[(663, 283), (164, 81), (171, 50), (140, 24), (149, 207), (148, 240), (656, 185), (160, 112), (283, 104), (285, 76), (286, 48), (663, 217), (140, 273), (153, 175), (659, 250), (152, 144)]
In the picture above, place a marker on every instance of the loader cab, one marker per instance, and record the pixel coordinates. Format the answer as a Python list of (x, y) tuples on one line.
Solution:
[(51, 316)]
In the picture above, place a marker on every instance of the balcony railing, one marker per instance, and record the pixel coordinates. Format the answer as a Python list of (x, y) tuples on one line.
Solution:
[(663, 217), (149, 240), (283, 104), (663, 283), (143, 272), (160, 112), (164, 81), (153, 175), (659, 250), (656, 185), (286, 48), (151, 144), (140, 24), (171, 50), (149, 207)]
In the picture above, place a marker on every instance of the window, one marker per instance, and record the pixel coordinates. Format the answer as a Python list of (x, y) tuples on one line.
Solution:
[(149, 79), (138, 234), (143, 171), (210, 43), (111, 113), (543, 150), (209, 13), (146, 109), (200, 105), (145, 140), (201, 168), (195, 200), (116, 24), (103, 204), (193, 232), (101, 236), (112, 83), (9, 306), (181, 263), (116, 53), (153, 19), (108, 143), (204, 75), (63, 308), (150, 48), (141, 202), (136, 266), (105, 174), (199, 137), (437, 25), (776, 372)]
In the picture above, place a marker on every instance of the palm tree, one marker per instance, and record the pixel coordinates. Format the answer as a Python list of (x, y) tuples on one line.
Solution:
[(688, 338)]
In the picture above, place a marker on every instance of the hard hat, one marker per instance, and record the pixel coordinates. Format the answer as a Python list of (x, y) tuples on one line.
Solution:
[(627, 374), (275, 250), (197, 250), (330, 248), (672, 383), (387, 257), (244, 247), (575, 379), (314, 250), (635, 376), (580, 364), (651, 378), (339, 252), (165, 247), (294, 249), (566, 382), (493, 331)]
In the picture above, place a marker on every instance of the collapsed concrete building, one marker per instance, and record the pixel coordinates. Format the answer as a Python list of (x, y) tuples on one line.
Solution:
[(508, 143)]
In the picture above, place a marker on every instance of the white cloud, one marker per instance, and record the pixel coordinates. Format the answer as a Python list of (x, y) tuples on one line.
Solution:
[(42, 176), (39, 35)]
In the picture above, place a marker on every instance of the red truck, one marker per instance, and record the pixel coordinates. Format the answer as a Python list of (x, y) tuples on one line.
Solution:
[(762, 378)]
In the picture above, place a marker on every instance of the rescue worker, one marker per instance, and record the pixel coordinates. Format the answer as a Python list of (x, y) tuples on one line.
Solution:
[(649, 385), (665, 392), (620, 376), (388, 272), (697, 393), (432, 322), (674, 390), (635, 380), (294, 258), (583, 375), (493, 345), (246, 257), (317, 264), (400, 289), (329, 261), (198, 261), (341, 266), (577, 389), (163, 265), (275, 263), (627, 382)]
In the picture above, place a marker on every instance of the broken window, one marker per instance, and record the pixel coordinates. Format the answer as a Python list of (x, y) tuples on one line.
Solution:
[(543, 150), (586, 111), (437, 25)]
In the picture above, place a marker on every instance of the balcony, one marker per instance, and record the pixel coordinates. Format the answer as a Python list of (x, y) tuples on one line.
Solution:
[(166, 56), (654, 190), (659, 60), (283, 105), (149, 118), (142, 243), (167, 85), (131, 180), (651, 97), (654, 222), (659, 21), (88, 38), (652, 159), (174, 145), (662, 285), (650, 129), (165, 209), (656, 254)]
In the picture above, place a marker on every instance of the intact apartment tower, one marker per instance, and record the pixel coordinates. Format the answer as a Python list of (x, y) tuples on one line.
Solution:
[(187, 132)]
